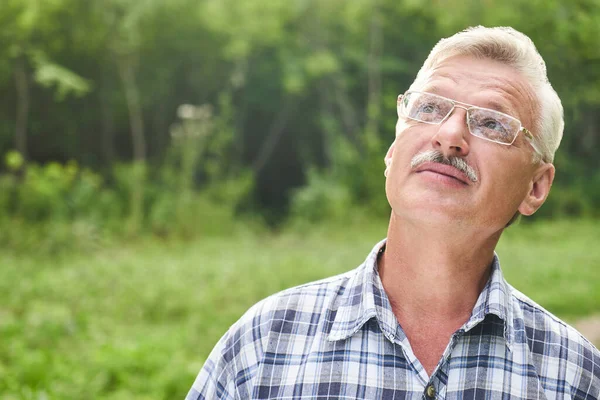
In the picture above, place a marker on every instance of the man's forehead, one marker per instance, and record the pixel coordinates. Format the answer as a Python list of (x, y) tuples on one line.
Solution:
[(500, 88), (482, 72), (487, 96), (460, 77)]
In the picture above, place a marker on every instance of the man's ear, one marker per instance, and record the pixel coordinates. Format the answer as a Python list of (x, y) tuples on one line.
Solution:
[(539, 188)]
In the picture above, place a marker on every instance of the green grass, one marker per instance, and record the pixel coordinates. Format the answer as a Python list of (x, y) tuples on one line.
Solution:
[(139, 320), (556, 264)]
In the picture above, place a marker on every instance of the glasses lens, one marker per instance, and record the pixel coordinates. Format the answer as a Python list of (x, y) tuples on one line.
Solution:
[(492, 125), (425, 107)]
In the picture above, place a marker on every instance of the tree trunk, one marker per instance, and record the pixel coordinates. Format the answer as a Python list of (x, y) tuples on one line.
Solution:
[(125, 66), (275, 131), (22, 86), (108, 127), (134, 108), (159, 134), (590, 132), (352, 125)]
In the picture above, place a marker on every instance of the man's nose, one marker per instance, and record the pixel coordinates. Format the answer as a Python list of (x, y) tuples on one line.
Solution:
[(451, 137)]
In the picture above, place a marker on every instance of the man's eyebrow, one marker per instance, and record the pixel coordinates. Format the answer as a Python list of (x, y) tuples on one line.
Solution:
[(503, 108), (435, 89)]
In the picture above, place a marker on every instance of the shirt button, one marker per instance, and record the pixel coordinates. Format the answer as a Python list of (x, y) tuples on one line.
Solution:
[(430, 392)]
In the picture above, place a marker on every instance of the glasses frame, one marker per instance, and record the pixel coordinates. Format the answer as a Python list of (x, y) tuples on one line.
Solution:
[(465, 106)]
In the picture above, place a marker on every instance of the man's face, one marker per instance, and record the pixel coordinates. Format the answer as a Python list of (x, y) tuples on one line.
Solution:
[(507, 180)]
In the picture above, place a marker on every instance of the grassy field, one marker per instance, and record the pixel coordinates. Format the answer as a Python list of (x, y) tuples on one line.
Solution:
[(137, 321)]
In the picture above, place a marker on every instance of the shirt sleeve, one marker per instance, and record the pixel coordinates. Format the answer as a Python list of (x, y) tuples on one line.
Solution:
[(215, 380)]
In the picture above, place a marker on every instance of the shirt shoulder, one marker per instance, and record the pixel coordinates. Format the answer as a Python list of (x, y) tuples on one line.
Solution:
[(295, 315), (564, 359), (297, 305)]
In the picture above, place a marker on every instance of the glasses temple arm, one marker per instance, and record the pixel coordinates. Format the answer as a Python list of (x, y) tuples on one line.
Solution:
[(531, 141)]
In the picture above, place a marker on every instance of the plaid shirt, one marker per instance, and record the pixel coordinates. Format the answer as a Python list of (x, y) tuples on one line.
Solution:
[(339, 339)]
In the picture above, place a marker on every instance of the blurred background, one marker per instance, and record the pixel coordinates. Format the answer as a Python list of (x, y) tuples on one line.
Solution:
[(166, 164)]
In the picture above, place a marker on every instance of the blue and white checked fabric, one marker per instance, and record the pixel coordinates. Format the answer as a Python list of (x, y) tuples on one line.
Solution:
[(339, 339)]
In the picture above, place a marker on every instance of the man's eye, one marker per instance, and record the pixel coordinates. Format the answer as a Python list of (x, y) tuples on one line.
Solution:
[(427, 108), (494, 125)]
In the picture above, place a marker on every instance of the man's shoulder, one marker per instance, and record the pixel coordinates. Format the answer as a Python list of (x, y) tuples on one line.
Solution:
[(283, 322), (297, 310), (306, 298), (556, 347), (540, 324)]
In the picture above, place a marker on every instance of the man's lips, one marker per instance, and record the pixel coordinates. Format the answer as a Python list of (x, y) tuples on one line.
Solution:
[(444, 169)]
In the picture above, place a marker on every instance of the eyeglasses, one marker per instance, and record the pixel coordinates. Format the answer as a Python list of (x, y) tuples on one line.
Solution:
[(484, 123)]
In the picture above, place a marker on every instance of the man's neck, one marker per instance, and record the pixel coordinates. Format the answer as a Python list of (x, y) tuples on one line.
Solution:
[(433, 277), (435, 270)]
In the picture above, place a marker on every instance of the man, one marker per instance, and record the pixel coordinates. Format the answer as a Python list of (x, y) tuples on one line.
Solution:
[(429, 314)]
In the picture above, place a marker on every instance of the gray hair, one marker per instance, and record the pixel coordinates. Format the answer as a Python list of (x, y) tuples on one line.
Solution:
[(515, 49)]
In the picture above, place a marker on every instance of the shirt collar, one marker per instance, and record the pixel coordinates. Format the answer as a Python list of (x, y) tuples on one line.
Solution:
[(494, 299), (364, 298)]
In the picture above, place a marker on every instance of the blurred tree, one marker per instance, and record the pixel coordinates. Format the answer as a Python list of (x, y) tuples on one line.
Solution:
[(311, 83), (24, 27)]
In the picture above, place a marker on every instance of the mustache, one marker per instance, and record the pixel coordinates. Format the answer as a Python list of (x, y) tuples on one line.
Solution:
[(437, 157)]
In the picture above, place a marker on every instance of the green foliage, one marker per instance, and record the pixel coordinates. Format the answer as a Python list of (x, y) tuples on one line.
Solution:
[(321, 74), (65, 82), (59, 207), (187, 214), (321, 199), (200, 147), (53, 207), (49, 192), (14, 161), (353, 185)]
